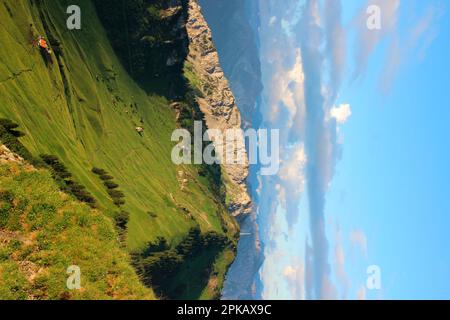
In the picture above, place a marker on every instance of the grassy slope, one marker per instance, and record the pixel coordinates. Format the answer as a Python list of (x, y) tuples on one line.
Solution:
[(82, 112), (40, 237), (195, 269)]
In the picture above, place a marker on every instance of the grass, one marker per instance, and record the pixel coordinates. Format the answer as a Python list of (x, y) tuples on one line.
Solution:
[(209, 266), (41, 230), (192, 78), (84, 109)]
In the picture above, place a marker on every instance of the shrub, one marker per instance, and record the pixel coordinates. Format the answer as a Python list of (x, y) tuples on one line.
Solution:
[(9, 137), (161, 266), (152, 214), (212, 238), (116, 194), (99, 171), (110, 185), (8, 124), (49, 159), (191, 243), (11, 127), (158, 264), (159, 245), (121, 219), (6, 196), (64, 179), (106, 177), (119, 202), (60, 169)]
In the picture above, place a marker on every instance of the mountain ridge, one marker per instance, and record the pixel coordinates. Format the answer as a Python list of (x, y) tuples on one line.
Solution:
[(85, 110)]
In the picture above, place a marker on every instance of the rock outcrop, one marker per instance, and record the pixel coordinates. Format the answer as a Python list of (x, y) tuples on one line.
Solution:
[(218, 105), (6, 156), (234, 25)]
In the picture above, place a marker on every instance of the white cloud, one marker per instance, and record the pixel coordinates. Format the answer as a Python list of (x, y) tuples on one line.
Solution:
[(272, 21), (295, 275), (286, 92), (292, 180), (292, 168), (341, 113)]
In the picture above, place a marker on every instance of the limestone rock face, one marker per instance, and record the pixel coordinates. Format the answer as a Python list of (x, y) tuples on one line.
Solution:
[(219, 107), (234, 25), (6, 156)]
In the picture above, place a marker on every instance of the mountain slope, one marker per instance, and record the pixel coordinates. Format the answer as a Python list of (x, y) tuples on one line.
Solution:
[(84, 109), (41, 230), (218, 104), (234, 26)]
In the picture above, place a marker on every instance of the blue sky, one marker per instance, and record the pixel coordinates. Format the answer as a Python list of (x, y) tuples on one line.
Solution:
[(367, 188), (393, 181)]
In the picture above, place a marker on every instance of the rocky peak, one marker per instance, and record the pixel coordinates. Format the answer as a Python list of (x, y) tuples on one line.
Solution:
[(218, 104)]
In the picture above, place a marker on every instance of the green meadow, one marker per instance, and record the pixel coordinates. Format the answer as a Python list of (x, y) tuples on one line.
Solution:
[(84, 109), (44, 231)]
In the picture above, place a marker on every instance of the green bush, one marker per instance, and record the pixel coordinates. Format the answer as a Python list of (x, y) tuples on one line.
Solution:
[(10, 138), (99, 171), (191, 243), (8, 124), (106, 177), (159, 265), (121, 219), (159, 245), (60, 169), (119, 202), (64, 179), (116, 194), (151, 37), (110, 185)]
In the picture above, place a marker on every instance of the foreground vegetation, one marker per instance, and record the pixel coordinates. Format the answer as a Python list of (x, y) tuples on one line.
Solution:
[(80, 114), (44, 231)]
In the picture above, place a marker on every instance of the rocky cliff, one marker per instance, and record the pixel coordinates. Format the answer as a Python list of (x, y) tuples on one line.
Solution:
[(218, 105), (234, 25)]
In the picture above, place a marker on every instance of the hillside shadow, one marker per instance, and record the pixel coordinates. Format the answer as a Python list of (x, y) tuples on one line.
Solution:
[(150, 39)]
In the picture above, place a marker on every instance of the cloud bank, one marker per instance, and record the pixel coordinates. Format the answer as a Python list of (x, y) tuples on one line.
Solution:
[(304, 50), (302, 82)]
